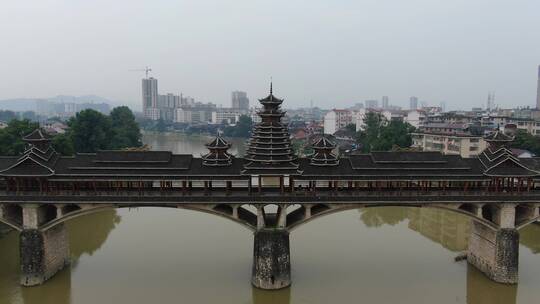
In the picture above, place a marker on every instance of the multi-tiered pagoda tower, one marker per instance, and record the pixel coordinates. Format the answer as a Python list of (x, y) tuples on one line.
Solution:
[(269, 151)]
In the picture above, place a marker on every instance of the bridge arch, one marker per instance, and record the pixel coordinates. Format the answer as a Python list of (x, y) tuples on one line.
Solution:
[(11, 224), (320, 210), (242, 216)]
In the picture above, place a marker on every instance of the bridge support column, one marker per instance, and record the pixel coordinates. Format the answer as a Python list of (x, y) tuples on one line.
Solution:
[(271, 259), (495, 253), (42, 253)]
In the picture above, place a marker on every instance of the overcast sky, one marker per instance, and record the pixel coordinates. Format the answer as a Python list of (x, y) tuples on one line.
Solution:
[(334, 52)]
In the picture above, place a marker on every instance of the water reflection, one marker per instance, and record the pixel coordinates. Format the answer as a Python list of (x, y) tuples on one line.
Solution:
[(282, 296), (188, 144), (451, 230), (481, 290), (4, 229), (86, 235)]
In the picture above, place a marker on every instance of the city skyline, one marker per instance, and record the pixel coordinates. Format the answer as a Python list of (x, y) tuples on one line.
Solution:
[(465, 52)]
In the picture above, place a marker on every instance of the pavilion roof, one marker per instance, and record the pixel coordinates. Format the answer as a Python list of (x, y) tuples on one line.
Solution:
[(37, 135), (498, 136)]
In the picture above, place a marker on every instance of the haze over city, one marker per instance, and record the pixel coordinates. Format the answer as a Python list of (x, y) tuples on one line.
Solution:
[(335, 53)]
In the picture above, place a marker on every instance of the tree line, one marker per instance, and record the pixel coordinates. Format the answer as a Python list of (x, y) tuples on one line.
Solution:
[(379, 134), (88, 131)]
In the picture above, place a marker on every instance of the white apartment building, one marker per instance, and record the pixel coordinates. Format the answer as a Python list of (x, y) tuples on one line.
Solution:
[(464, 145), (152, 113), (528, 125), (449, 138), (231, 116), (182, 115), (415, 118), (337, 119), (358, 119)]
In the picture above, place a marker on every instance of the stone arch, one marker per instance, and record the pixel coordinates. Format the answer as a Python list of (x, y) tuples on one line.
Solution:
[(526, 214), (489, 212), (11, 216), (11, 224), (70, 208), (222, 211), (49, 212), (331, 209)]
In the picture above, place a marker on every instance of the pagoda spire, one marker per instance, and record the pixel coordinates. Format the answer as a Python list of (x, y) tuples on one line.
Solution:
[(269, 147)]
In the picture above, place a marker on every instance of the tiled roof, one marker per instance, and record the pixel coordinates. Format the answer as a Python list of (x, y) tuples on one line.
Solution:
[(37, 135)]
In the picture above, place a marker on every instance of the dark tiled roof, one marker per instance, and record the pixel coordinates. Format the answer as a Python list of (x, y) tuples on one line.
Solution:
[(510, 167), (37, 135), (133, 157), (498, 136), (408, 157), (218, 142), (28, 167), (271, 99), (324, 142)]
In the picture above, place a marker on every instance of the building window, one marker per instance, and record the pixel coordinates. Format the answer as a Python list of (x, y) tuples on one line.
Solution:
[(473, 148)]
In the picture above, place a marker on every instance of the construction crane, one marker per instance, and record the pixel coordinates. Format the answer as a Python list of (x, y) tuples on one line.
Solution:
[(145, 70)]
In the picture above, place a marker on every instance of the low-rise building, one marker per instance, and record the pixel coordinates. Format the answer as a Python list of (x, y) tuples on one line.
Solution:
[(452, 139), (415, 118), (337, 119), (528, 125), (231, 116)]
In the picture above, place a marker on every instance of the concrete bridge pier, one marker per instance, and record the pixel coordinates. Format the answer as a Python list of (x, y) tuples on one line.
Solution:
[(496, 252), (271, 259), (42, 253)]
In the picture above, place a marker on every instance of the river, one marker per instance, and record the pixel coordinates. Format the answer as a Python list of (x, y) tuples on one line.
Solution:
[(377, 255)]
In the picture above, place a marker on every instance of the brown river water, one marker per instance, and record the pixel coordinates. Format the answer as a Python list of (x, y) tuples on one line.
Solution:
[(377, 255)]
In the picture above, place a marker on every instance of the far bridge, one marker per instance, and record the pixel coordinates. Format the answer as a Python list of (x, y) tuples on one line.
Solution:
[(269, 191)]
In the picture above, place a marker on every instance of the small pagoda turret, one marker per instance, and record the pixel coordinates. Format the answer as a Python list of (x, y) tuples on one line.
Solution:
[(323, 155), (497, 140), (218, 155), (269, 149), (38, 139)]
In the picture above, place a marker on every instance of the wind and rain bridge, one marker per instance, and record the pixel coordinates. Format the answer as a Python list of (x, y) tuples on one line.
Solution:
[(270, 191)]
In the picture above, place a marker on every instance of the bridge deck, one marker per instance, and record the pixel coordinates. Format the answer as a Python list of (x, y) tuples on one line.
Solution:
[(242, 196)]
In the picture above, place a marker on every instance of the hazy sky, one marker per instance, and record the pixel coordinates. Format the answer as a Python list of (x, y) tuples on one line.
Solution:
[(334, 52)]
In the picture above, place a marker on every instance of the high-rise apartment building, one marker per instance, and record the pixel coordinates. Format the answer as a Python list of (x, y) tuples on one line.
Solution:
[(150, 98), (385, 104), (491, 101), (538, 91), (413, 103), (239, 100)]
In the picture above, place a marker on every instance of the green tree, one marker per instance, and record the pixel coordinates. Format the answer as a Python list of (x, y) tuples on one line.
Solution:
[(526, 141), (90, 131), (125, 129), (351, 127), (241, 129), (369, 136), (380, 135), (63, 144), (11, 142)]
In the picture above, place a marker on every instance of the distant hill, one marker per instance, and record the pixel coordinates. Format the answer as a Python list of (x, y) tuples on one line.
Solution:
[(30, 104)]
